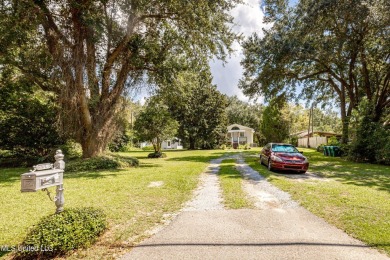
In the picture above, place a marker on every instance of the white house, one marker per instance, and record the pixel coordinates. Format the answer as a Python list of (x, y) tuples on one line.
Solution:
[(173, 143), (239, 135)]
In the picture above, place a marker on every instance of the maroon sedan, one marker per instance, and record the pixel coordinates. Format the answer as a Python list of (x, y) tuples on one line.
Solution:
[(283, 157)]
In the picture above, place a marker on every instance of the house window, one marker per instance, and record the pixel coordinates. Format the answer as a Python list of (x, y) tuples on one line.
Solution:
[(242, 134), (235, 128), (169, 143)]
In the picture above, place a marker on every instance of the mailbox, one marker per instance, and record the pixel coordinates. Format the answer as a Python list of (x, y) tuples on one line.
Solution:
[(41, 179), (44, 176)]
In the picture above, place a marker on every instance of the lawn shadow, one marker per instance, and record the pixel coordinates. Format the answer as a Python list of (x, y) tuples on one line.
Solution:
[(299, 176), (98, 174), (11, 175), (352, 173), (198, 158), (149, 165)]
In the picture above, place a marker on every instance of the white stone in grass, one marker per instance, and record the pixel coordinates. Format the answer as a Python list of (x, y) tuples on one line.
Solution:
[(154, 184)]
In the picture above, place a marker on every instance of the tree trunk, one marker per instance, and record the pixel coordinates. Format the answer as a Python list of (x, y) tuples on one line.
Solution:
[(192, 143), (92, 146), (344, 119)]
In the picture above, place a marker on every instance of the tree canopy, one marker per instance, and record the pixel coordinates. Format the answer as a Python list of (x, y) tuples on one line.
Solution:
[(89, 52), (155, 124), (199, 108), (333, 50)]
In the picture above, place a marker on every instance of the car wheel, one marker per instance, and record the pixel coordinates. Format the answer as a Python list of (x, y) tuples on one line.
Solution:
[(269, 165), (303, 172)]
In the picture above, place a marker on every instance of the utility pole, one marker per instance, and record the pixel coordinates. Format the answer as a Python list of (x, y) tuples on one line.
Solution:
[(308, 130), (312, 120)]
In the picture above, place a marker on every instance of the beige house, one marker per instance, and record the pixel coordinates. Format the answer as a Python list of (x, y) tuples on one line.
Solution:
[(239, 135)]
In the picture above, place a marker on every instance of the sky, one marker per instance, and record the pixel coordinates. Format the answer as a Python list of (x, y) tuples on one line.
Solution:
[(248, 19)]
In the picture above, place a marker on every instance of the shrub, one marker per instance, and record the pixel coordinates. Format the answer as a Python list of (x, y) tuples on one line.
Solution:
[(294, 140), (372, 141), (101, 163), (157, 155), (320, 148), (333, 141), (121, 143), (223, 147), (60, 233), (27, 118), (72, 150)]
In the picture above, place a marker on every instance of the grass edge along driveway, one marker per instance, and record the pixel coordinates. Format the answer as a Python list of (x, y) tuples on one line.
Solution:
[(354, 197), (134, 199), (234, 197)]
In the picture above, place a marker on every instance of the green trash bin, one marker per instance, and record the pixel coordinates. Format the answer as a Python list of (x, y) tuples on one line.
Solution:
[(331, 151), (326, 150), (337, 151)]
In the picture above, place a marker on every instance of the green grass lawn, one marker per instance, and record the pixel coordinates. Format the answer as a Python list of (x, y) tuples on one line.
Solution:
[(231, 183), (355, 197), (131, 205)]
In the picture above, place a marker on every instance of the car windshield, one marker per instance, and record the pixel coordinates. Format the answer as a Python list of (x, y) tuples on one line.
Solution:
[(284, 148)]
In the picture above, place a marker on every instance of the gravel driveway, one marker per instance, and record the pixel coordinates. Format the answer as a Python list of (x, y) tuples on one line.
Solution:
[(278, 229)]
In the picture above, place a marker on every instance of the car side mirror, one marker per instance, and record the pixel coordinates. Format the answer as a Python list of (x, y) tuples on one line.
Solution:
[(300, 152)]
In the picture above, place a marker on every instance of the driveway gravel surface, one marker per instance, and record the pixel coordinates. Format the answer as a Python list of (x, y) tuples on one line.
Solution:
[(277, 229)]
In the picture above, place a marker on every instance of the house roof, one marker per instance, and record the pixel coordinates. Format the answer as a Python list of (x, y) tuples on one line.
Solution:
[(305, 133), (241, 127)]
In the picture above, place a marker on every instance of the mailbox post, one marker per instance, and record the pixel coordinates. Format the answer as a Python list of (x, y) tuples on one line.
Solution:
[(47, 175)]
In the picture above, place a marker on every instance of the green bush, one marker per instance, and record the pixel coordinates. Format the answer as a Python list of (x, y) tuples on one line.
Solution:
[(320, 148), (60, 233), (333, 141), (72, 150), (223, 147), (101, 163), (27, 117), (372, 141), (294, 140), (121, 143), (157, 155)]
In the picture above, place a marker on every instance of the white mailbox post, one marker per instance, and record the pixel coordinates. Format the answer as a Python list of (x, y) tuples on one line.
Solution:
[(47, 175)]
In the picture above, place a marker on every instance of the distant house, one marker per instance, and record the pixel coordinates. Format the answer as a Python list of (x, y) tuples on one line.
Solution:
[(316, 138), (173, 143), (239, 135)]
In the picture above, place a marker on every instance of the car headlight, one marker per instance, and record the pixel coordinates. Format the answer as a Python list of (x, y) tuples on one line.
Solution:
[(276, 159), (305, 161)]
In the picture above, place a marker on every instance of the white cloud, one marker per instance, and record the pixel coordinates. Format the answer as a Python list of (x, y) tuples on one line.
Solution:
[(248, 19)]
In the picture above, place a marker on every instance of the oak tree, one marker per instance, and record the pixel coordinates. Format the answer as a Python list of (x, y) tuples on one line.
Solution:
[(333, 50), (91, 52)]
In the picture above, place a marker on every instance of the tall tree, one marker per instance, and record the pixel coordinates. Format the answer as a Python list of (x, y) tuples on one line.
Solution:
[(199, 108), (94, 50), (275, 123), (155, 124), (333, 50)]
